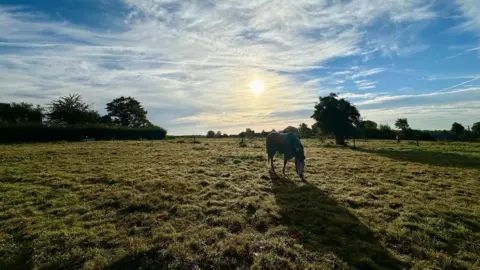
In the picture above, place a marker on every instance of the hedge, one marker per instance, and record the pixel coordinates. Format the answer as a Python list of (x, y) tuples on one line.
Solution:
[(11, 133)]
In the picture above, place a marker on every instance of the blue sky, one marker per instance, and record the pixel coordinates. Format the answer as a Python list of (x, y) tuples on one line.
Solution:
[(191, 62)]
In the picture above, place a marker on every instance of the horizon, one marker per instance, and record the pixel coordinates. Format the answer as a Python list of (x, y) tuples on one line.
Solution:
[(230, 65)]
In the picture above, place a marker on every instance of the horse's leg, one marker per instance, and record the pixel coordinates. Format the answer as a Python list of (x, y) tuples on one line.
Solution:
[(271, 163), (284, 165)]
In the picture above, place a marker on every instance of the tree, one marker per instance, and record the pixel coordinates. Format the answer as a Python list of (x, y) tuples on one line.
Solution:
[(304, 131), (337, 116), (218, 134), (476, 128), (249, 132), (210, 134), (106, 120), (316, 129), (71, 110), (128, 112), (264, 133), (402, 124), (457, 129), (367, 124), (385, 128), (22, 113), (290, 129)]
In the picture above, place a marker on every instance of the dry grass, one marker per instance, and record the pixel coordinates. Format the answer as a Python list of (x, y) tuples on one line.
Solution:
[(213, 205)]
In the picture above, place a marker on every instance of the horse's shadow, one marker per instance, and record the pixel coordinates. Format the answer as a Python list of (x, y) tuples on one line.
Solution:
[(323, 226)]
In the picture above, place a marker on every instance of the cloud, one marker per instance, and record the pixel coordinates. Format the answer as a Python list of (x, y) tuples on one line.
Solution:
[(357, 96), (341, 73), (366, 73), (424, 111), (427, 116), (470, 10), (365, 84), (463, 53), (195, 56), (431, 99)]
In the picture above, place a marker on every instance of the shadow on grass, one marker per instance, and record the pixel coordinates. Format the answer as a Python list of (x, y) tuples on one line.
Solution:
[(428, 157), (324, 226), (145, 260)]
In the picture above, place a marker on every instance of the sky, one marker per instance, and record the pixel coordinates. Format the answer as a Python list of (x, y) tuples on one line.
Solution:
[(192, 63)]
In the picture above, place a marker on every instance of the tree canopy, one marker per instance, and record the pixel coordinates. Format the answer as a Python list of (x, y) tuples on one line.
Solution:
[(290, 129), (476, 128), (128, 112), (457, 128), (22, 112), (304, 131), (337, 116), (384, 128), (367, 124), (210, 134), (71, 110), (402, 124)]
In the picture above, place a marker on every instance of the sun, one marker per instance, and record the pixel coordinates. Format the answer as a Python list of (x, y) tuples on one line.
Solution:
[(257, 87)]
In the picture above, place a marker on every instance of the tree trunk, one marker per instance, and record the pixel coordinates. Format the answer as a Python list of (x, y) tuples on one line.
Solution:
[(339, 139)]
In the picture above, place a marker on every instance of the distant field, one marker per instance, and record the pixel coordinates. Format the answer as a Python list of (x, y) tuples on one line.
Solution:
[(174, 205)]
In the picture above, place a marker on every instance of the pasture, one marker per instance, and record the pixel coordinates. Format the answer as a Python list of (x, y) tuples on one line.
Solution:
[(177, 205)]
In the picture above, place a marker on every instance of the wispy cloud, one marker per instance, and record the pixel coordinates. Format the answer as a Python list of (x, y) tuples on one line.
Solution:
[(357, 96), (471, 14), (365, 84), (341, 73), (191, 62), (366, 73), (436, 98)]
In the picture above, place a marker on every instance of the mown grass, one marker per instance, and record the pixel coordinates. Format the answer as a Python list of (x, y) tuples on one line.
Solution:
[(213, 205)]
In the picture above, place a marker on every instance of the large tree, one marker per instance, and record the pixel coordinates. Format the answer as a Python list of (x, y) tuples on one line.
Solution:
[(304, 131), (210, 134), (457, 129), (290, 129), (71, 110), (385, 128), (128, 112), (316, 129), (476, 128), (22, 113), (337, 116), (402, 124), (367, 124)]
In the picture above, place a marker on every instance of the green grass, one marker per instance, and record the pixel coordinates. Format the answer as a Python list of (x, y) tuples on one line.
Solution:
[(213, 205)]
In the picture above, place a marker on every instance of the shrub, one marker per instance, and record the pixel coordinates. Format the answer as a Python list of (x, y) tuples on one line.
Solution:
[(10, 133)]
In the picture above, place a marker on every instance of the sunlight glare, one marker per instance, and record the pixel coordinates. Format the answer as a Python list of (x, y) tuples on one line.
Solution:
[(256, 87)]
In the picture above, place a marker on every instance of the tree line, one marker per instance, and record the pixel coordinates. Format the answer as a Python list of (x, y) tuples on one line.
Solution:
[(70, 118), (339, 118)]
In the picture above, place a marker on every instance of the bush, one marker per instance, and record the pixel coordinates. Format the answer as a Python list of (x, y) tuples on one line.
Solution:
[(10, 133)]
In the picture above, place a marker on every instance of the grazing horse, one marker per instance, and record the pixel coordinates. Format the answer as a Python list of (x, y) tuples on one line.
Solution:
[(290, 146)]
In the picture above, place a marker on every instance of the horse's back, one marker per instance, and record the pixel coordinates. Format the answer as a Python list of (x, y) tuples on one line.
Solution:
[(278, 142)]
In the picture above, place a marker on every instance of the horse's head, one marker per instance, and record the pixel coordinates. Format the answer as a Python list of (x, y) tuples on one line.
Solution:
[(299, 162)]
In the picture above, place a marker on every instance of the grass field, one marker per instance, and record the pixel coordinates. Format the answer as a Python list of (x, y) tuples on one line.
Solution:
[(213, 205)]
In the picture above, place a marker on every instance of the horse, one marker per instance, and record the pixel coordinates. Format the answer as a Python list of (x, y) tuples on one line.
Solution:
[(290, 146)]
